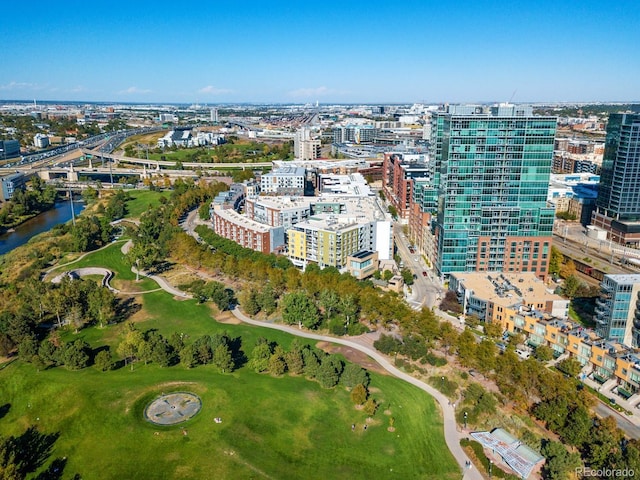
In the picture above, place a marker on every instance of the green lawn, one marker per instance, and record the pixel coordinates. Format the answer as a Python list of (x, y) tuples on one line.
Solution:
[(284, 427), (141, 200)]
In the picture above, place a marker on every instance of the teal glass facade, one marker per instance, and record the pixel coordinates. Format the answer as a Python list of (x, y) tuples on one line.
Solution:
[(491, 168), (619, 192)]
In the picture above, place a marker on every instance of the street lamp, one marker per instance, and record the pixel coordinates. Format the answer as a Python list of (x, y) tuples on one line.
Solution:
[(465, 420), (442, 383), (490, 468)]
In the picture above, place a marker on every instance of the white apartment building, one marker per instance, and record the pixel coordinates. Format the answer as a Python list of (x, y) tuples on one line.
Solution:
[(306, 146), (286, 180)]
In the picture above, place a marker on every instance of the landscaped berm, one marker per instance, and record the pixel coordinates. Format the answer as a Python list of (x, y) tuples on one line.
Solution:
[(172, 408)]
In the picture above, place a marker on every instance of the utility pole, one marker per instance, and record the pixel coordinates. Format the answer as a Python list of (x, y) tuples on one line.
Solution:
[(73, 213)]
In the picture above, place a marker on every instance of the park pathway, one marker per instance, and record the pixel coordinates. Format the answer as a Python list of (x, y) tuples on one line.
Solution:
[(452, 435)]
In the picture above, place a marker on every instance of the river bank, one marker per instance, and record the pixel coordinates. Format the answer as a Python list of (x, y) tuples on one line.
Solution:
[(22, 233)]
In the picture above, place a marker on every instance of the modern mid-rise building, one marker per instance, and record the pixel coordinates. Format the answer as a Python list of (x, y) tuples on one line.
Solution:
[(306, 146), (41, 140), (329, 240), (617, 311), (278, 211), (287, 180), (399, 173), (246, 232), (354, 134), (618, 202), (490, 170), (9, 148), (10, 183)]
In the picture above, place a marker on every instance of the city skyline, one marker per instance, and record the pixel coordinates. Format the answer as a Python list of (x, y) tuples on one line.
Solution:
[(293, 52)]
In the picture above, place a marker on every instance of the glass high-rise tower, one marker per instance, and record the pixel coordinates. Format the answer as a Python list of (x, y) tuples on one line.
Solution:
[(618, 202), (491, 168)]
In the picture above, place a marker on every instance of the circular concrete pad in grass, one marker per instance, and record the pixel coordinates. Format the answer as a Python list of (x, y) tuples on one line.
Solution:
[(173, 408)]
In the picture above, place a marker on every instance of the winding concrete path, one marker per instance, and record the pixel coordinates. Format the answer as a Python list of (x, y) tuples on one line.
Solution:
[(451, 434)]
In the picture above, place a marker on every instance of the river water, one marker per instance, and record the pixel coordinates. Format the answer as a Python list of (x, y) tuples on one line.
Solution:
[(60, 213)]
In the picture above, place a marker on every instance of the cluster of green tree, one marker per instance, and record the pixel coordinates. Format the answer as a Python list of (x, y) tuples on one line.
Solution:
[(327, 309), (564, 407), (229, 248), (52, 352), (27, 203), (220, 349), (38, 304), (94, 231), (407, 275), (548, 395), (477, 403), (566, 215), (215, 292), (327, 369), (23, 455)]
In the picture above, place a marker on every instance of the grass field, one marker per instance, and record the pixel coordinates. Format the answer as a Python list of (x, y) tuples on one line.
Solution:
[(284, 427), (141, 200), (272, 428)]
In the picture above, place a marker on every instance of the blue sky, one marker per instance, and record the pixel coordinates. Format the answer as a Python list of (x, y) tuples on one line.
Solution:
[(349, 51)]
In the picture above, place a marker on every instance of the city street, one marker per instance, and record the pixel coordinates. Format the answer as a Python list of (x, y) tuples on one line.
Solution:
[(425, 291)]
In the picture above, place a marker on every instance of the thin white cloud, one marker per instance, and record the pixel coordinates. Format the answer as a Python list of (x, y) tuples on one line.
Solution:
[(134, 90), (211, 90), (312, 92), (20, 86)]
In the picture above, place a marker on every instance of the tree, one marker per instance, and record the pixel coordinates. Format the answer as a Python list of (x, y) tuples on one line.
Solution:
[(267, 299), (354, 375), (467, 347), (49, 353), (407, 276), (128, 347), (188, 356), (249, 301), (260, 356), (299, 308), (568, 269), (223, 359), (101, 305), (370, 407), (486, 353), (450, 303), (387, 344), (349, 307), (28, 348), (327, 374), (570, 366), (104, 360), (577, 429), (559, 461), (294, 361), (555, 261), (311, 363), (329, 301), (75, 317), (543, 353), (493, 329), (359, 394), (75, 355), (571, 286), (277, 365)]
